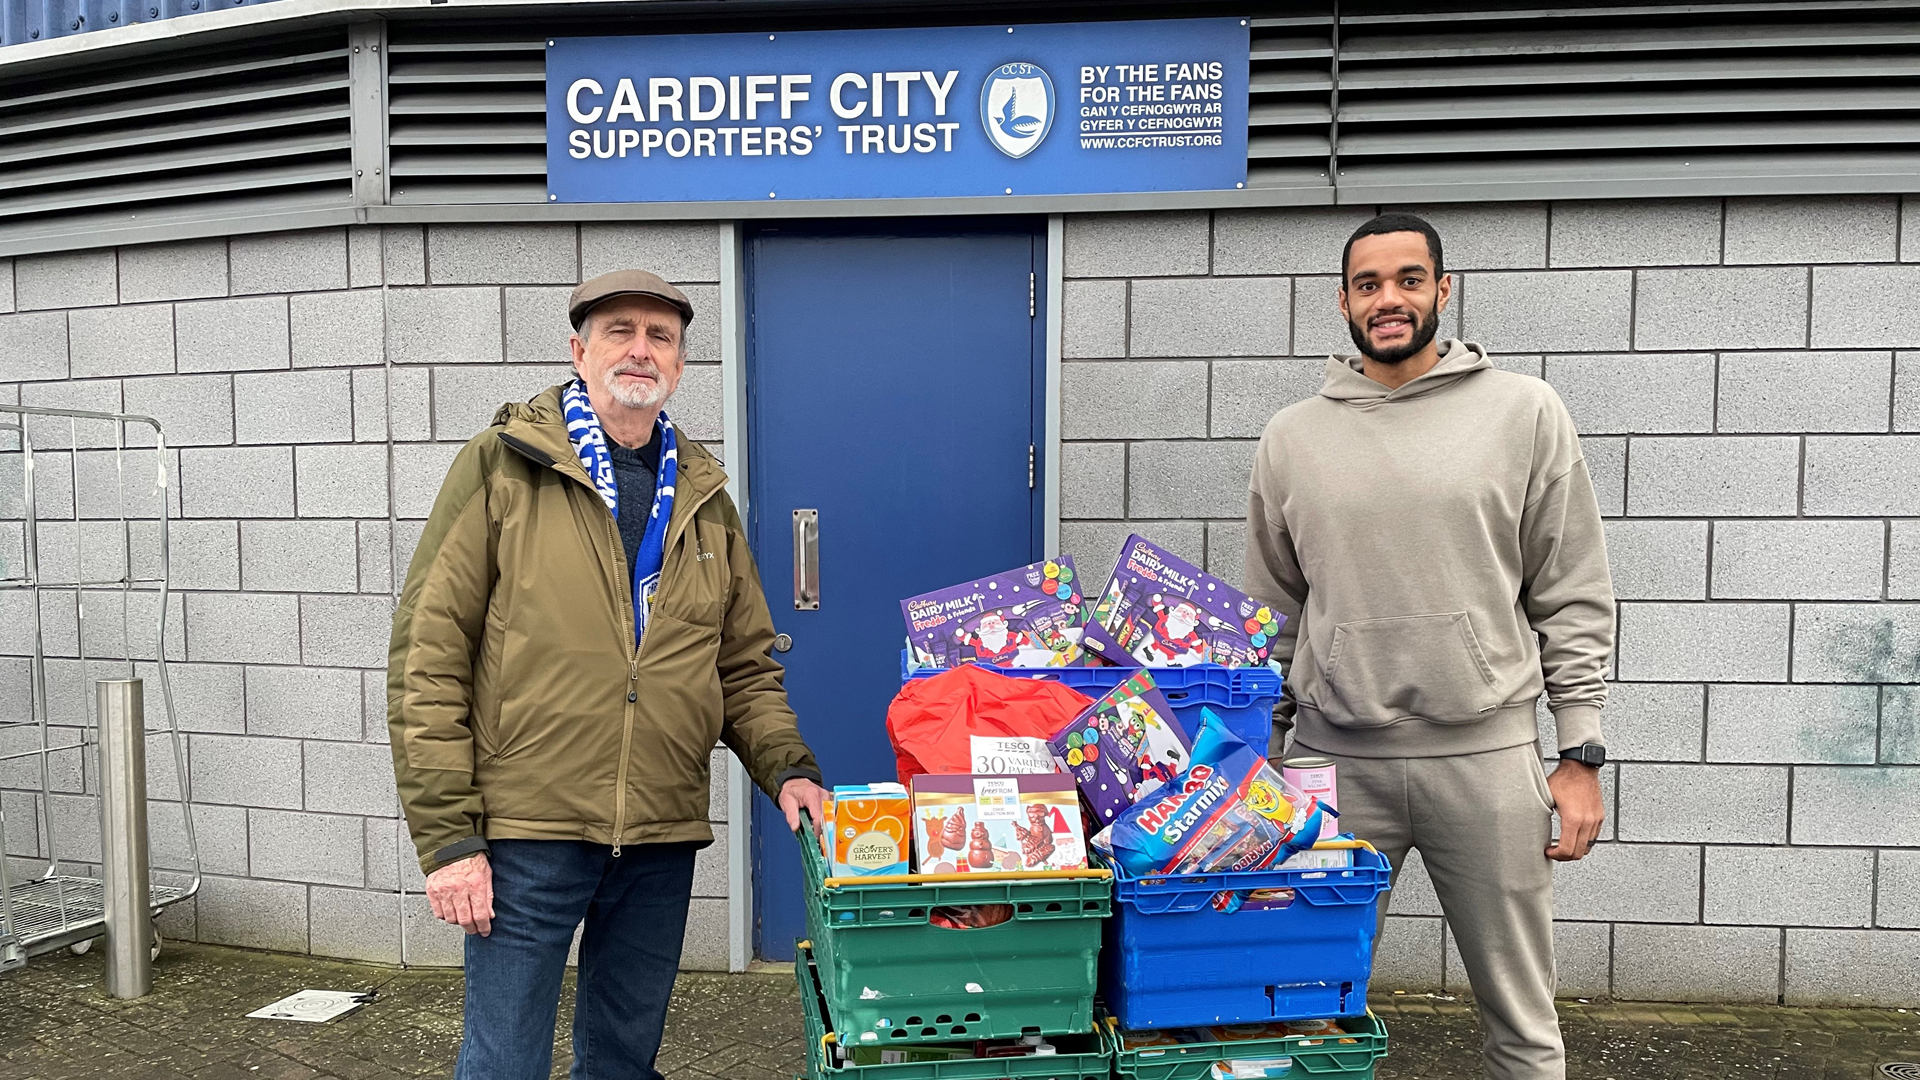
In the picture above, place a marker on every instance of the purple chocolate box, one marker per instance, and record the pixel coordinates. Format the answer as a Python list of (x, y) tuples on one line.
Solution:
[(1027, 617), (1125, 743), (1100, 767), (1161, 611)]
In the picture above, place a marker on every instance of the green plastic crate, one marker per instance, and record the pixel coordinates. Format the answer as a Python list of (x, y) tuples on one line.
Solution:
[(1080, 1057), (890, 976), (1313, 1055)]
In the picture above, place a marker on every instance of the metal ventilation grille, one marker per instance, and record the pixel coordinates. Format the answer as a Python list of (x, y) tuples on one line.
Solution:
[(40, 20), (255, 128), (466, 117), (1738, 98), (1289, 142), (1351, 101)]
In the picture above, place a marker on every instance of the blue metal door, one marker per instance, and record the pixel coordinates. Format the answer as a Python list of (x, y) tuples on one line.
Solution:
[(894, 379)]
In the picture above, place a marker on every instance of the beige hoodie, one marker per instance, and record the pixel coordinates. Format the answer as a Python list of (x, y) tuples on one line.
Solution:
[(1438, 553)]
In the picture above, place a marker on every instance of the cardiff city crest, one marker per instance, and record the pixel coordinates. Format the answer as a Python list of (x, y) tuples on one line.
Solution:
[(1016, 105)]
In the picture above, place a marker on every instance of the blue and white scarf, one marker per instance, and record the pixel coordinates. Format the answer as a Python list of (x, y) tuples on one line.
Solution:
[(590, 443)]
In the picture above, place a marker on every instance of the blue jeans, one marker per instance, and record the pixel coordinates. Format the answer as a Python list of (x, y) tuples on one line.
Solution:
[(635, 908)]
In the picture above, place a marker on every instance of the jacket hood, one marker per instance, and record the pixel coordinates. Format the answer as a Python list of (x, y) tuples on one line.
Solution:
[(541, 408), (538, 423), (1345, 382)]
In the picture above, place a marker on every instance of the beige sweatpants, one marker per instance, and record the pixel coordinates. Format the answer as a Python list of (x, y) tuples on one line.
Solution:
[(1481, 823)]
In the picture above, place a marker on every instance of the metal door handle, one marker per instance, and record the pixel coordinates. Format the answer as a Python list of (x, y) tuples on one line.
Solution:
[(806, 560)]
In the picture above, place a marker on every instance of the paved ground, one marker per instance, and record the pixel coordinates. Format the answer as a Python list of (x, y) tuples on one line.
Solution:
[(56, 1023)]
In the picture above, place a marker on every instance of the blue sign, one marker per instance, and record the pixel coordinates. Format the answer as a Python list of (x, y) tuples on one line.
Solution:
[(895, 114)]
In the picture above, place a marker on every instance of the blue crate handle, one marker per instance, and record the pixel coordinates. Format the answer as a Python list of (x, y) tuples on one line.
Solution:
[(1238, 685), (1358, 884)]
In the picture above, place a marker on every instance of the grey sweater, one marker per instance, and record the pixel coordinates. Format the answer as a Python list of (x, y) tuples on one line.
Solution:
[(1438, 552)]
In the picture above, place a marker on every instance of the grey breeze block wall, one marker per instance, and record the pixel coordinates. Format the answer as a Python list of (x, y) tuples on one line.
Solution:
[(1753, 430), (311, 415), (1734, 366)]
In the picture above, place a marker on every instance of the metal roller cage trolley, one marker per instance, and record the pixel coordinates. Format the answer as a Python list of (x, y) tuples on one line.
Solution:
[(87, 573)]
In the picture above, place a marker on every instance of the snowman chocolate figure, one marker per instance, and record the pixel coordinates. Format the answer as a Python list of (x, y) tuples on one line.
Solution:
[(980, 851)]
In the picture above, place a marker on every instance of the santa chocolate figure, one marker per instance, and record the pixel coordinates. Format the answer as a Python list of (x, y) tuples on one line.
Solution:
[(992, 642), (1176, 640), (1036, 840)]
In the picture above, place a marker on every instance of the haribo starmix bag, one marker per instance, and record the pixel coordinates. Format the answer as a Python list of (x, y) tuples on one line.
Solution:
[(1229, 811)]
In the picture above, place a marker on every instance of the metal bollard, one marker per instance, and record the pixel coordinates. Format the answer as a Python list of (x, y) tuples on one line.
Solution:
[(123, 836)]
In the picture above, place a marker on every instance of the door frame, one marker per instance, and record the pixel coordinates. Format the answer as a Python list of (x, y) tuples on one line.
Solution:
[(733, 377)]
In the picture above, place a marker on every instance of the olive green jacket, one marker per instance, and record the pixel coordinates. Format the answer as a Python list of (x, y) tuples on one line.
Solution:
[(518, 701)]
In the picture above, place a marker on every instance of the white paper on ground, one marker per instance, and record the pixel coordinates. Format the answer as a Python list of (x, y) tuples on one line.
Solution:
[(311, 1006)]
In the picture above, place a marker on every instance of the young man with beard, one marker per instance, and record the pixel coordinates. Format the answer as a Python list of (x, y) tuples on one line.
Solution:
[(1428, 526)]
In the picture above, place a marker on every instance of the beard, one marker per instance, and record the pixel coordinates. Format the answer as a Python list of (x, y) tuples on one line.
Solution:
[(634, 397), (1423, 332)]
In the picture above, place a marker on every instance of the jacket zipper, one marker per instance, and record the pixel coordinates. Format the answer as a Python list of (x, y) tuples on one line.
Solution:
[(633, 690), (633, 683), (633, 696)]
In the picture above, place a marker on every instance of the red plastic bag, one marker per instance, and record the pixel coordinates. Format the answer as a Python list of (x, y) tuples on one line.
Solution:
[(932, 721)]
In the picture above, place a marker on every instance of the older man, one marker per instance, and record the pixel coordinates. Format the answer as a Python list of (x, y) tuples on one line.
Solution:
[(581, 623)]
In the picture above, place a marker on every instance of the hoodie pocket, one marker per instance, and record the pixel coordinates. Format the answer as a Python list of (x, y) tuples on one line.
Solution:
[(1414, 666)]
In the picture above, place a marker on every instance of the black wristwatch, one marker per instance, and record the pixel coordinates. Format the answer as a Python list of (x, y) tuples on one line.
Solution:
[(1586, 754)]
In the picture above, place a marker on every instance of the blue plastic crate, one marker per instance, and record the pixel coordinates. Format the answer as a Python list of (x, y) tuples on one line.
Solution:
[(1171, 959), (1243, 698)]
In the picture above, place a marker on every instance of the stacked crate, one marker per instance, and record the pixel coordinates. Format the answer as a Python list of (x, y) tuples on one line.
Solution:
[(1162, 952), (876, 972)]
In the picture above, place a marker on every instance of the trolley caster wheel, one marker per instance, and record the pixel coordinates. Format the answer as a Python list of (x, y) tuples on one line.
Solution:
[(79, 948), (153, 950)]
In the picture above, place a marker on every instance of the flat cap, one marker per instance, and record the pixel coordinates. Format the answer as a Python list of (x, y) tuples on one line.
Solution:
[(624, 283)]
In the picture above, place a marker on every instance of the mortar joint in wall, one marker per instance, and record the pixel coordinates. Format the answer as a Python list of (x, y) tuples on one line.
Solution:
[(1808, 338)]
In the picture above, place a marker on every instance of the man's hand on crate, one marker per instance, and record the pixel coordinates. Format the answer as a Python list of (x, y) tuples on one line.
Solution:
[(1576, 798), (462, 892), (799, 792)]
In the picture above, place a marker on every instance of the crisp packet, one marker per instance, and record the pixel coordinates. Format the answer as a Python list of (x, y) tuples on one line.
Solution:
[(1229, 811)]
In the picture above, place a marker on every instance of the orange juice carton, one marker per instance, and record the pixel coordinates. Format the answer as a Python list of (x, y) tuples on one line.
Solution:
[(869, 830), (978, 823)]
